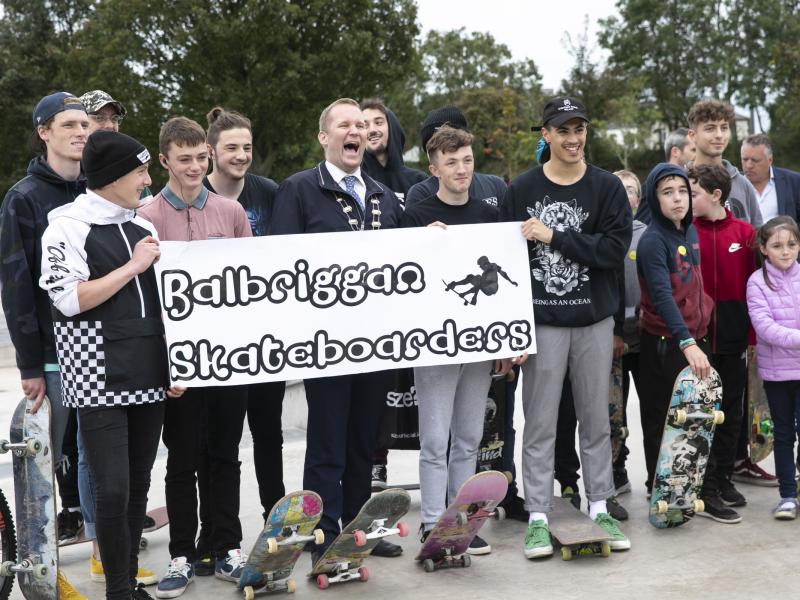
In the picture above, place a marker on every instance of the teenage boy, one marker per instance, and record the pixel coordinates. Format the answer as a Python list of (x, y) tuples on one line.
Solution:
[(343, 412), (578, 223), (230, 147), (675, 311), (452, 398), (726, 249), (54, 179), (97, 266), (206, 424)]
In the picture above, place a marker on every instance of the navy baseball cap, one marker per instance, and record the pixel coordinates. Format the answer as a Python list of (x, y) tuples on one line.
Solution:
[(561, 109), (53, 104)]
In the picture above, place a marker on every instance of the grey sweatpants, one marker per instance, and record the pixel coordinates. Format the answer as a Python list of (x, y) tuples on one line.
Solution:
[(587, 351), (452, 405)]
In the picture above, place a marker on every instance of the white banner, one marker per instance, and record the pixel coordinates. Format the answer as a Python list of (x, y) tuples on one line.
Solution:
[(287, 307)]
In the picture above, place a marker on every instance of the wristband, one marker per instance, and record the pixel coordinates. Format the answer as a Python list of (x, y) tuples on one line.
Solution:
[(686, 343)]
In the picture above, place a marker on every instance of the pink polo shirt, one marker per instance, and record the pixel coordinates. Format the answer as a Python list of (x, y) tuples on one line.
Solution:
[(210, 216)]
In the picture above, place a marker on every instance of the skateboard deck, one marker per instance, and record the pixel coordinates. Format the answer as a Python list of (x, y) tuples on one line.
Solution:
[(576, 532), (490, 451), (159, 515), (289, 526), (616, 410), (35, 502), (759, 418), (476, 501), (685, 445), (378, 518)]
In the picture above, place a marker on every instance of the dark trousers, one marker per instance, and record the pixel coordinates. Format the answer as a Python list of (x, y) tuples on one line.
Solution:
[(67, 473), (121, 444), (202, 431), (783, 398), (264, 408), (732, 369), (630, 370), (660, 361), (566, 462), (343, 419)]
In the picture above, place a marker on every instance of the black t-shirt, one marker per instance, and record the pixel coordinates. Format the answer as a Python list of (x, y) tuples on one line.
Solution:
[(432, 209), (488, 188), (257, 199)]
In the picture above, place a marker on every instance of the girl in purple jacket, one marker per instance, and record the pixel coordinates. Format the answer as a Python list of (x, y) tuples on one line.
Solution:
[(773, 300)]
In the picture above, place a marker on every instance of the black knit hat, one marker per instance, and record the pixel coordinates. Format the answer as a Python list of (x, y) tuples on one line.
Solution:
[(109, 155), (449, 115)]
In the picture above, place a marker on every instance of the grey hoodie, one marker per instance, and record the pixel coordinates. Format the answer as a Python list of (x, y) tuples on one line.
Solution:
[(633, 292)]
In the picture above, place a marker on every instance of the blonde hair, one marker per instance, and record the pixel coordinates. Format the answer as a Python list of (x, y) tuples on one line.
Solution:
[(323, 117)]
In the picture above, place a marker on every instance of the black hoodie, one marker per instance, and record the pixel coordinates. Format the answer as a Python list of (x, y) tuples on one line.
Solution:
[(674, 304), (23, 219), (395, 175)]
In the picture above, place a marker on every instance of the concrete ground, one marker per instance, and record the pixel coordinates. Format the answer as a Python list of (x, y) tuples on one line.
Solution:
[(754, 559)]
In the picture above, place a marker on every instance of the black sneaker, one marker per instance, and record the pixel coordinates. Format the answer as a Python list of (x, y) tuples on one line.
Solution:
[(515, 509), (69, 525), (379, 477), (572, 495), (478, 546), (616, 510), (715, 509), (621, 482), (149, 524), (140, 594), (204, 565), (730, 495), (387, 549), (423, 534)]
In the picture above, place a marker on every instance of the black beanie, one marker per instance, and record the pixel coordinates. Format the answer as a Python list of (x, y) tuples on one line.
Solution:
[(109, 155), (438, 117)]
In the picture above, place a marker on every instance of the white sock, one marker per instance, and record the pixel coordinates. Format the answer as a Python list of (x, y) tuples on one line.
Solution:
[(597, 507), (74, 509), (537, 516)]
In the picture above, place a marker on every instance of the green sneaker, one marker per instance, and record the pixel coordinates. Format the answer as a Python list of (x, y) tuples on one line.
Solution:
[(537, 540), (611, 525)]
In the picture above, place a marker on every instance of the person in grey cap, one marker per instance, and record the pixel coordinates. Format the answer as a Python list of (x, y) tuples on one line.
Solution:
[(104, 112)]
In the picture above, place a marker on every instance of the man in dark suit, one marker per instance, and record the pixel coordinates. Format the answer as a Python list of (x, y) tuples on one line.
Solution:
[(778, 189)]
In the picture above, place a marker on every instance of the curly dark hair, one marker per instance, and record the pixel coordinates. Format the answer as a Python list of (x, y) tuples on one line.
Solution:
[(709, 110)]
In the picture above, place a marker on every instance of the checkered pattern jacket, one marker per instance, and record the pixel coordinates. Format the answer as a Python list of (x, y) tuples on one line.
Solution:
[(113, 354)]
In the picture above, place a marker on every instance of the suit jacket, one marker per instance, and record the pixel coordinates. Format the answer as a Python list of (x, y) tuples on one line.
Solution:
[(787, 188)]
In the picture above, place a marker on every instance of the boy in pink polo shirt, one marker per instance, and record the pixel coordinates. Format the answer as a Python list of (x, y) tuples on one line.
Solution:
[(203, 428)]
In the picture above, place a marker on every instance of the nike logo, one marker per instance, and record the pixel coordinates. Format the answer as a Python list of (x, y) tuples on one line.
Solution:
[(734, 247)]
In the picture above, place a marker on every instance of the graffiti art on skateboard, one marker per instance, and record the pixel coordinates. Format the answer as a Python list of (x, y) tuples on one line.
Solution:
[(575, 531), (476, 501), (378, 518), (160, 519), (35, 502), (616, 410), (759, 418), (685, 445), (289, 526)]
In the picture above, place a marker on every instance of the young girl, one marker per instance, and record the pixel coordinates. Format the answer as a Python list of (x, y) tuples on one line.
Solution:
[(773, 295)]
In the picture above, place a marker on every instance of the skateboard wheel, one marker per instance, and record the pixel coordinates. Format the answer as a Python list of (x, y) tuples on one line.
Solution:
[(291, 586), (428, 565), (360, 537), (3, 446), (249, 593), (462, 518), (319, 537), (39, 571), (623, 432), (680, 416), (511, 376), (499, 513), (143, 543), (363, 574), (698, 506), (661, 507), (605, 549), (402, 529), (509, 476), (272, 545), (322, 581), (719, 417), (466, 561), (566, 553), (33, 447), (5, 568)]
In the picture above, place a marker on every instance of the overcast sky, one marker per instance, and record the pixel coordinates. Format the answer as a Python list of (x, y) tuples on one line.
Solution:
[(531, 29)]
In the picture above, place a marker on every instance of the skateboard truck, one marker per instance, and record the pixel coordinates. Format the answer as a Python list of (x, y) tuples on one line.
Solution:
[(292, 537), (681, 416), (464, 517), (28, 565), (446, 561), (30, 447), (272, 584), (342, 572), (378, 529)]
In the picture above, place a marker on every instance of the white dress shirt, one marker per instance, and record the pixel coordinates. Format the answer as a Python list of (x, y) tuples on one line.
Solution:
[(768, 200)]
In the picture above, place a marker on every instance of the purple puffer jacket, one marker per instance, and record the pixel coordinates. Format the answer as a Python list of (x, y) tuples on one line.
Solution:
[(775, 316)]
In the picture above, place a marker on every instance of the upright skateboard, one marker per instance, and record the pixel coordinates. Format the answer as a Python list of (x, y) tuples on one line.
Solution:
[(35, 502), (159, 516), (490, 451), (759, 418), (616, 410), (289, 526), (378, 518), (576, 532), (685, 445), (477, 500)]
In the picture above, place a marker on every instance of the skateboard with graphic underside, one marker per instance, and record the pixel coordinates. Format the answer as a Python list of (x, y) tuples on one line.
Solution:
[(616, 410), (761, 429)]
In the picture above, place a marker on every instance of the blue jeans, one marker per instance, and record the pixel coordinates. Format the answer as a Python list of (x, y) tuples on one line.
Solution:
[(85, 487), (783, 398)]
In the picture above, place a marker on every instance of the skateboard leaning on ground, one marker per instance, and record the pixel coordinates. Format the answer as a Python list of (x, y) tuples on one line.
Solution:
[(575, 532), (378, 518), (616, 410), (490, 451), (159, 516), (685, 445), (35, 503), (759, 418), (476, 501), (289, 526)]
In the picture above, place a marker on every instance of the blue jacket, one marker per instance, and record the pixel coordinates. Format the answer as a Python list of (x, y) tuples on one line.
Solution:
[(787, 188)]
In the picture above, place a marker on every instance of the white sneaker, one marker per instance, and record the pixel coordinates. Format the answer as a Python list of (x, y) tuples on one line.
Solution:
[(230, 567)]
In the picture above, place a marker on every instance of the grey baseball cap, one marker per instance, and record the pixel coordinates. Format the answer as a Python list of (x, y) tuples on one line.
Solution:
[(97, 99)]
